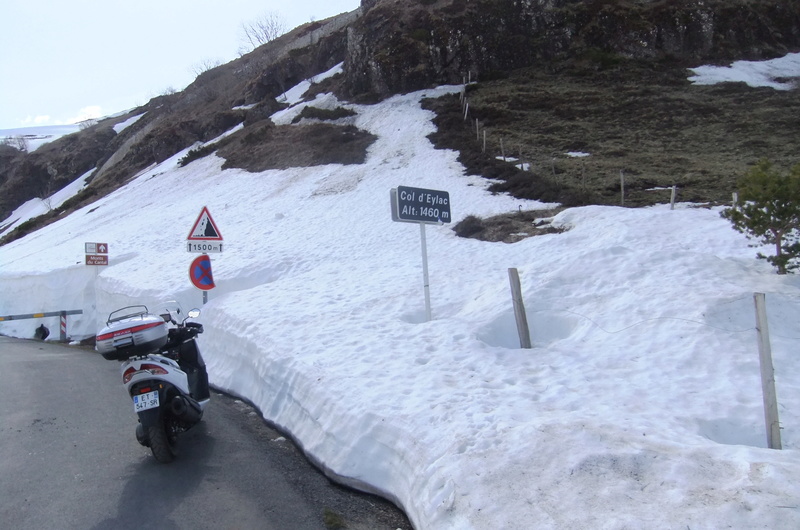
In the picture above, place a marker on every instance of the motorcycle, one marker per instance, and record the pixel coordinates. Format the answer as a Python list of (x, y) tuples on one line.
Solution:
[(162, 370)]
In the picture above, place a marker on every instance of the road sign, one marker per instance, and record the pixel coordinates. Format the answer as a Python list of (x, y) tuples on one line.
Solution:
[(419, 205), (96, 248), (204, 229), (205, 236), (97, 259), (200, 273)]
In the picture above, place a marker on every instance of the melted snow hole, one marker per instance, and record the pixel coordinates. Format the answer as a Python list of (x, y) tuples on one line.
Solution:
[(544, 329)]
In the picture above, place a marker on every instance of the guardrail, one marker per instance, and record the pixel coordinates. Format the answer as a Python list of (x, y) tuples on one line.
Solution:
[(62, 314)]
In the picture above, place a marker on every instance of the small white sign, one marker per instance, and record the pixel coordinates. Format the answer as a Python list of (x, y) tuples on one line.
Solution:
[(204, 246)]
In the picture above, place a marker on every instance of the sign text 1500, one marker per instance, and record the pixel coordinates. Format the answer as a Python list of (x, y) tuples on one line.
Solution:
[(211, 246)]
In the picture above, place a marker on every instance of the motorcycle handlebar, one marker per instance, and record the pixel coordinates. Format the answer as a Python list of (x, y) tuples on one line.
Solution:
[(196, 326)]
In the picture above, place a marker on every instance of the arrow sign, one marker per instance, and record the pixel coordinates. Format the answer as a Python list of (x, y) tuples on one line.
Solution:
[(200, 273), (96, 248)]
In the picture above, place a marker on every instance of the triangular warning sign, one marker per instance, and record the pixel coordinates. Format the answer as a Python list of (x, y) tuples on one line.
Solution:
[(204, 228)]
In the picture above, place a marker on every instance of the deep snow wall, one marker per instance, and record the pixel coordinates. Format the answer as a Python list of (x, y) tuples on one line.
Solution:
[(362, 449), (66, 289)]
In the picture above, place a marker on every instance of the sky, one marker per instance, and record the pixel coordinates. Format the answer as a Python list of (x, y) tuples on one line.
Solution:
[(77, 59), (638, 406)]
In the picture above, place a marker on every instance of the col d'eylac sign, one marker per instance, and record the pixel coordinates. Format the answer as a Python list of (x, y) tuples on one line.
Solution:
[(421, 206), (418, 205)]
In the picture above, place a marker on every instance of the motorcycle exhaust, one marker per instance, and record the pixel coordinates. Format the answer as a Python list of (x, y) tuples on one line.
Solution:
[(185, 410)]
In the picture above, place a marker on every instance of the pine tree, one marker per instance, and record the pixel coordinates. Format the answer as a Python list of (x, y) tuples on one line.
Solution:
[(770, 212)]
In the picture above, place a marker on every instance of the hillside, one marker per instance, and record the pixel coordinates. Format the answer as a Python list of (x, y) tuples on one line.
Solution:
[(605, 78), (639, 404)]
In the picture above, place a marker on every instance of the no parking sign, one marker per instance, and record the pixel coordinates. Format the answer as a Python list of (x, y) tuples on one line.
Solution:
[(200, 273)]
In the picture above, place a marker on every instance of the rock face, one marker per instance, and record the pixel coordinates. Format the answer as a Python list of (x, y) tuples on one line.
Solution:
[(406, 45), (51, 167)]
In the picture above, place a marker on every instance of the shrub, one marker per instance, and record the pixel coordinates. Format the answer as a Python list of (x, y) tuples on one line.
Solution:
[(317, 113), (469, 226), (770, 212)]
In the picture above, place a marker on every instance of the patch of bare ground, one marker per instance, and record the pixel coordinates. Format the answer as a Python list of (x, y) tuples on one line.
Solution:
[(266, 146), (641, 121), (510, 227)]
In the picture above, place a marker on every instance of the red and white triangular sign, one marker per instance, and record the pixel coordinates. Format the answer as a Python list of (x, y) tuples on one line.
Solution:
[(204, 228)]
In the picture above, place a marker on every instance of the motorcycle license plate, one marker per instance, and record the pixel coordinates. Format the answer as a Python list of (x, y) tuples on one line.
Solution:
[(145, 401)]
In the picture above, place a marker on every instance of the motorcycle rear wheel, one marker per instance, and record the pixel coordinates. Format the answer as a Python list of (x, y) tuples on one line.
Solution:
[(161, 445)]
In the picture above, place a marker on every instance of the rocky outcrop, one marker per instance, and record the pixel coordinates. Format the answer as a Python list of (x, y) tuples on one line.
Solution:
[(24, 176), (405, 45)]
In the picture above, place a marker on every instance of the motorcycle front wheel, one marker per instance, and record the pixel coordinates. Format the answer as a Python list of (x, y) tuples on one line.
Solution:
[(161, 444)]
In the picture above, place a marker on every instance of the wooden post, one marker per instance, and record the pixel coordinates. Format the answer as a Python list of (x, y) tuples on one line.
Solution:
[(767, 374), (519, 309), (484, 140), (735, 201), (672, 198), (477, 130), (466, 111), (502, 149), (583, 176), (622, 187)]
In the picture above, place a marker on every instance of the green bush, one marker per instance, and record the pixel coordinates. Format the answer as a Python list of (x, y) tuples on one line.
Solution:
[(770, 212)]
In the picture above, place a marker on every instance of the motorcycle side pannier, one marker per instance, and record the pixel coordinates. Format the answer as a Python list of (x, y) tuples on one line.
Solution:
[(128, 337)]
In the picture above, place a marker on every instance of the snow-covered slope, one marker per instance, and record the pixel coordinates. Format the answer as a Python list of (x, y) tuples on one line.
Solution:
[(639, 405)]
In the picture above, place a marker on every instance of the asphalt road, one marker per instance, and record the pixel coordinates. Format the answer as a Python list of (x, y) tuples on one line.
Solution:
[(69, 459)]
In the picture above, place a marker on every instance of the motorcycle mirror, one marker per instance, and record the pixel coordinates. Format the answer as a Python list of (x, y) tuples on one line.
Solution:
[(194, 313)]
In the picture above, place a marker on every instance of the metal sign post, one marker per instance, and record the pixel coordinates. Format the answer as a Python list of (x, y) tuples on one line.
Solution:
[(425, 281), (422, 206)]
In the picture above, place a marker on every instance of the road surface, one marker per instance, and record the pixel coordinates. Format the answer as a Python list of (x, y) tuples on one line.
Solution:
[(69, 459)]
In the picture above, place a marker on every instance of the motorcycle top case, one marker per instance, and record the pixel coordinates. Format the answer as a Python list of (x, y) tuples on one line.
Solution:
[(130, 337)]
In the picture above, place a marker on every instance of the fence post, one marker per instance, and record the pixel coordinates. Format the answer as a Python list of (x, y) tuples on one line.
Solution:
[(672, 198), (519, 309), (767, 374), (622, 187)]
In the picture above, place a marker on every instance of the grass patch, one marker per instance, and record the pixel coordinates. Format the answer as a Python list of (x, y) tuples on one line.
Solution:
[(510, 227), (644, 120), (315, 113), (282, 147)]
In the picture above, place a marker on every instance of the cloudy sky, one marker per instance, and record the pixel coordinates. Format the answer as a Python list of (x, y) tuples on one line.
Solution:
[(67, 60)]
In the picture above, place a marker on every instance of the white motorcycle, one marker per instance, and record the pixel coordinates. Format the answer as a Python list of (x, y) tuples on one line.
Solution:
[(162, 370)]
